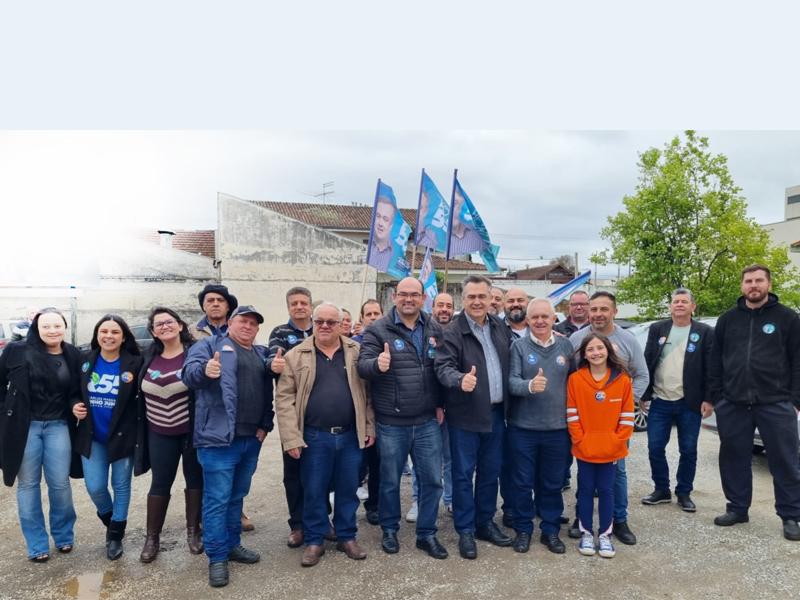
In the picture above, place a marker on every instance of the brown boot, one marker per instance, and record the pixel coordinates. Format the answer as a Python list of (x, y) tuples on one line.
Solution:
[(156, 512), (247, 525), (193, 534), (351, 549), (311, 555)]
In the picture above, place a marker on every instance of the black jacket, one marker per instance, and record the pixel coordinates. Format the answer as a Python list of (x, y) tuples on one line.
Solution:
[(125, 416), (286, 337), (696, 360), (756, 355), (459, 352), (408, 393), (15, 401), (141, 456)]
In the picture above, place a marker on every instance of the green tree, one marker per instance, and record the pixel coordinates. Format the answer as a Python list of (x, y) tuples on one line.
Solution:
[(687, 225)]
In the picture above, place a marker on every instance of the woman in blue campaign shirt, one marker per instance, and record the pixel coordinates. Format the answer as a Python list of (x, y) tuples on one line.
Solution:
[(107, 414)]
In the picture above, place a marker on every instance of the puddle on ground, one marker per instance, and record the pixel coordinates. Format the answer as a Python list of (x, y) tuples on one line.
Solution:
[(89, 586)]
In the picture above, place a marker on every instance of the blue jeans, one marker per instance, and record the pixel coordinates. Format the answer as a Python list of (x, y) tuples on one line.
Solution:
[(601, 477), (447, 471), (95, 474), (621, 493), (330, 460), (227, 472), (424, 443), (48, 448), (507, 492), (538, 459), (479, 455), (663, 413)]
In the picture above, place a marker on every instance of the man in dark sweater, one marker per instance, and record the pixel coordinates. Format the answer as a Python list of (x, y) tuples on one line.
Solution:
[(755, 382), (578, 316), (472, 365), (537, 427), (396, 357)]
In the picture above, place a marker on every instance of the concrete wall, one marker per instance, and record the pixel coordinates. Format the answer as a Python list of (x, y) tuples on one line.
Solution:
[(263, 254)]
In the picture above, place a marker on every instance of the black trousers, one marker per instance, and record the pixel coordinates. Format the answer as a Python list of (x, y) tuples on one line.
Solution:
[(165, 452), (294, 491), (372, 464), (777, 424)]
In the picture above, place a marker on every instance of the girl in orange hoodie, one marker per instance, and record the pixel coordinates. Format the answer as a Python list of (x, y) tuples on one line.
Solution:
[(600, 421)]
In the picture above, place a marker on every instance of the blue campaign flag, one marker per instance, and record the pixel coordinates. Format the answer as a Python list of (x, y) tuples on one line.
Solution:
[(565, 290), (433, 216), (428, 278), (468, 233), (388, 235)]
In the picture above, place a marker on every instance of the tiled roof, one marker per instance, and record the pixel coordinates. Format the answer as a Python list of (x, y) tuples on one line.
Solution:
[(195, 241), (545, 273), (332, 216), (438, 263)]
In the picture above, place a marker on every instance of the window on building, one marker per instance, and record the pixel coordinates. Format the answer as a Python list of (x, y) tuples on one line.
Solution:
[(793, 199)]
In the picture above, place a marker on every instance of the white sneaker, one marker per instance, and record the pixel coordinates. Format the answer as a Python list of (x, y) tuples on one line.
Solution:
[(586, 545), (606, 547), (411, 515), (362, 493)]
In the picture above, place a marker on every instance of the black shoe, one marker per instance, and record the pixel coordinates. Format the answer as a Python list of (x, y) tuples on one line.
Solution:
[(389, 543), (522, 542), (686, 504), (657, 497), (243, 555), (791, 530), (730, 518), (218, 574), (563, 519), (623, 533), (467, 547), (114, 535), (492, 533), (553, 543), (508, 520), (574, 530), (373, 518), (432, 546)]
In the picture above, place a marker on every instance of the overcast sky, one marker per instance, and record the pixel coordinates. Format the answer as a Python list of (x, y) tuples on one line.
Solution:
[(540, 193)]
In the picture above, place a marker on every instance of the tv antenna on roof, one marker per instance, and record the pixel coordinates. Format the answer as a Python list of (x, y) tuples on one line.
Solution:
[(327, 190)]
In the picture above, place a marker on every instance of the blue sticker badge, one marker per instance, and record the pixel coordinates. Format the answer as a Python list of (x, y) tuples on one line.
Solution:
[(292, 339), (532, 360), (662, 340), (85, 366), (155, 374), (126, 377), (768, 328), (399, 344), (561, 361), (691, 348), (694, 337), (600, 396)]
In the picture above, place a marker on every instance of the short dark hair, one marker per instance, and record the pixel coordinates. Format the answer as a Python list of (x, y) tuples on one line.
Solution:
[(370, 301), (476, 279), (604, 294), (757, 267), (298, 290)]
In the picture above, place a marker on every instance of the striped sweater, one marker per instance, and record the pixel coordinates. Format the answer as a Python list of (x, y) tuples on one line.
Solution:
[(166, 396), (599, 415)]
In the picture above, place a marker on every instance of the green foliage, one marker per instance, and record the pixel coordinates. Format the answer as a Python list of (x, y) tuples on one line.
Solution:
[(687, 225)]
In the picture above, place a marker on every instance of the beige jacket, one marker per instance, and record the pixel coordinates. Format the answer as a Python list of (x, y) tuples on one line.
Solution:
[(294, 388)]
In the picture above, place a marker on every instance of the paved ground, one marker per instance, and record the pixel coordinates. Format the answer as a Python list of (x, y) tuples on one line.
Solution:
[(678, 555)]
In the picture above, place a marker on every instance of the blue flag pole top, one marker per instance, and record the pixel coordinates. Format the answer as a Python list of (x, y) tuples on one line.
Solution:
[(388, 235), (433, 216), (468, 233)]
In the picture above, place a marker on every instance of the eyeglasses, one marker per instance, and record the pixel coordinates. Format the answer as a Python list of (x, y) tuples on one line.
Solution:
[(164, 324), (328, 322), (412, 295)]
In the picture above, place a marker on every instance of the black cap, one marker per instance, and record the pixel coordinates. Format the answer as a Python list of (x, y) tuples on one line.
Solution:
[(216, 288), (247, 309)]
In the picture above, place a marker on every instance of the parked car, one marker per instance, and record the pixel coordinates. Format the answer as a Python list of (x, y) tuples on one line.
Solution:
[(6, 332)]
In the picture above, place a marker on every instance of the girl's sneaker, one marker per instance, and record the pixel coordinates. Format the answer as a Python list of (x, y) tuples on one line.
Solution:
[(605, 546), (586, 545)]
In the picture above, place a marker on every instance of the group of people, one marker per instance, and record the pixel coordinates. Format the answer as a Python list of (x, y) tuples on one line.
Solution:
[(497, 397)]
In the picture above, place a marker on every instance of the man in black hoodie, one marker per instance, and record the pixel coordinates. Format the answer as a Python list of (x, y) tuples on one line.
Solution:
[(755, 382)]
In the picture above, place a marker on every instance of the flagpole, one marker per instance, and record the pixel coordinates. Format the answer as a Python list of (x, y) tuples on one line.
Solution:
[(369, 242), (450, 226), (364, 284)]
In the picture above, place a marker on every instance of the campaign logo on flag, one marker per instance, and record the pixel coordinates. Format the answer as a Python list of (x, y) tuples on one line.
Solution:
[(468, 233), (433, 215), (428, 278), (389, 235)]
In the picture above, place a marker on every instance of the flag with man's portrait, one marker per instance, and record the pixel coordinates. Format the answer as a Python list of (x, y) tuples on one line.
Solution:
[(468, 232), (428, 278), (388, 236), (433, 216)]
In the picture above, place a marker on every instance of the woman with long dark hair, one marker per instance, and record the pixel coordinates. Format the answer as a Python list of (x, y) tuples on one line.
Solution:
[(107, 415), (166, 419), (38, 383)]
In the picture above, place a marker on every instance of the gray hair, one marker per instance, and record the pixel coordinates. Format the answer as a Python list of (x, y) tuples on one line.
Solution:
[(329, 305), (539, 301), (682, 291)]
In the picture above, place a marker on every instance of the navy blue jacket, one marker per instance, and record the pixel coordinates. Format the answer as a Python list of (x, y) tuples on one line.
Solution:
[(215, 400)]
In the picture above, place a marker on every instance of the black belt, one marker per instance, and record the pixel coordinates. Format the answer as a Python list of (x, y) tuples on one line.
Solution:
[(332, 430)]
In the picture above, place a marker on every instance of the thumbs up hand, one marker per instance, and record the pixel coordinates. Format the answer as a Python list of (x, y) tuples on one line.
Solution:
[(278, 362), (538, 383), (470, 380), (214, 367), (384, 359)]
